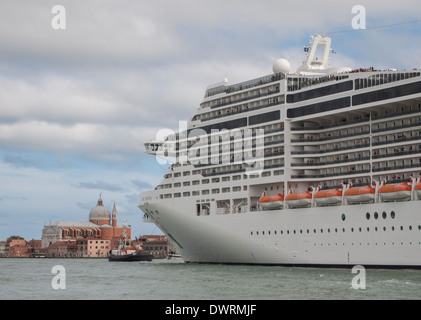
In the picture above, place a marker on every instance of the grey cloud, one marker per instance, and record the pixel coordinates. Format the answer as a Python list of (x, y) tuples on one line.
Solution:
[(99, 185), (141, 184), (21, 162), (13, 198)]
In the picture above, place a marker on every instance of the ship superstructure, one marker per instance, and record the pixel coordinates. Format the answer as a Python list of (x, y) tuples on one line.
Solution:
[(320, 167)]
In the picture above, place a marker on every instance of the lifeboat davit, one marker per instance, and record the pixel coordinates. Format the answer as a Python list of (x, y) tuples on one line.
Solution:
[(360, 194), (395, 192), (271, 202), (328, 197), (298, 200), (418, 189)]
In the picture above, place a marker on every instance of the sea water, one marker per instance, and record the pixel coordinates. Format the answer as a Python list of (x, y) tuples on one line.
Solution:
[(99, 279)]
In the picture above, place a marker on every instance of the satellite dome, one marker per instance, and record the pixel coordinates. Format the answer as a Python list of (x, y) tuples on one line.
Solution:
[(99, 212), (281, 65)]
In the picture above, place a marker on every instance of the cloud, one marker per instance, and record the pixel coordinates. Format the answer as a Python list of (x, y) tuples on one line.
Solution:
[(99, 185), (123, 70), (141, 184), (13, 198), (20, 162)]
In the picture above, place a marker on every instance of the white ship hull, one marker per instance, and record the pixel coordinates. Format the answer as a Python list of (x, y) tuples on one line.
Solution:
[(306, 237)]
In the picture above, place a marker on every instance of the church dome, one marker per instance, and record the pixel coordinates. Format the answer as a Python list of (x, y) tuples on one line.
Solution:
[(99, 212)]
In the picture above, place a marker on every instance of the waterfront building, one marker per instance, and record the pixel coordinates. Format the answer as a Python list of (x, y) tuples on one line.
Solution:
[(62, 249), (158, 245), (4, 249), (93, 247), (18, 248)]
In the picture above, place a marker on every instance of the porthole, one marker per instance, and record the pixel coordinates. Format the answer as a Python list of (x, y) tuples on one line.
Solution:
[(410, 227), (384, 215), (392, 214), (367, 215), (376, 215), (343, 216)]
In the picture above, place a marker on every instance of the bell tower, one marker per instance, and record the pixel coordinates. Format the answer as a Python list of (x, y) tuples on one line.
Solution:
[(114, 217)]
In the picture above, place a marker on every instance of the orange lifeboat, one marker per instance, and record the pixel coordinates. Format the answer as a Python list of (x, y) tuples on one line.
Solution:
[(360, 194), (395, 192), (298, 200), (328, 197), (271, 202)]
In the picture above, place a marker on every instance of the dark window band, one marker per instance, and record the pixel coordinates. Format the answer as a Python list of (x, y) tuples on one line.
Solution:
[(384, 94), (320, 92), (319, 107)]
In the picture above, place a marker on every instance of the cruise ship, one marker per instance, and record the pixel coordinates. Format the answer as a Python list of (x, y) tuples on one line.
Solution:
[(315, 168)]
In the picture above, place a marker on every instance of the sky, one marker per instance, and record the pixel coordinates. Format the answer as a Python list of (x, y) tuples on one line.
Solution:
[(77, 103)]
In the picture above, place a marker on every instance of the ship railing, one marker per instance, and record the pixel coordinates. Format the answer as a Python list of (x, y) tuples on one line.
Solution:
[(398, 153), (304, 140), (327, 175), (236, 161), (147, 219), (395, 114), (298, 83), (379, 143), (390, 168), (246, 85), (270, 92), (329, 126), (234, 112), (357, 146), (216, 173), (316, 164), (407, 125)]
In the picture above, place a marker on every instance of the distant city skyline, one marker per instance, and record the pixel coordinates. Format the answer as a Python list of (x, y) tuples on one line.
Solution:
[(77, 104)]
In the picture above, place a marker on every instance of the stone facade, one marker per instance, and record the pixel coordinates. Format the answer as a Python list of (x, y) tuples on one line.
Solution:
[(102, 226)]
